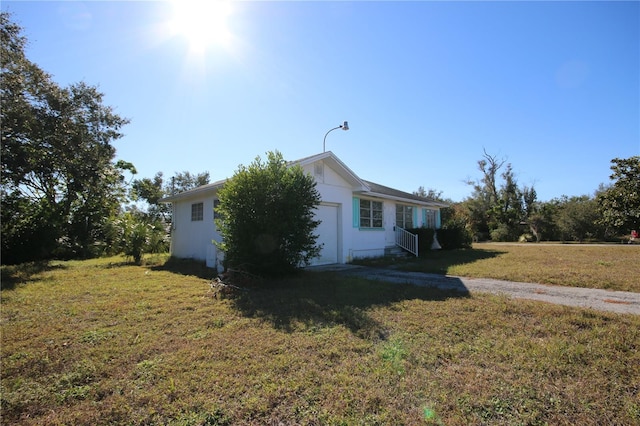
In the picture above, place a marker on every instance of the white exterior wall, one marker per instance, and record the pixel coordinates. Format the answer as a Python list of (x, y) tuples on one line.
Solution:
[(368, 243), (371, 242), (353, 242), (193, 239), (335, 191)]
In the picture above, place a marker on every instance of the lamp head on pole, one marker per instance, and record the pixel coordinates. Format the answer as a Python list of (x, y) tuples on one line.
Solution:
[(343, 126)]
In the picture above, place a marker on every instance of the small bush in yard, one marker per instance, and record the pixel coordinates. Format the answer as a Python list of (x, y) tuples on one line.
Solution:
[(454, 236), (133, 236), (266, 217)]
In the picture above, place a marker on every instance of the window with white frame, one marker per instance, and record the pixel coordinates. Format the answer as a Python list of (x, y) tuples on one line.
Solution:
[(197, 212), (370, 214), (404, 216), (429, 219)]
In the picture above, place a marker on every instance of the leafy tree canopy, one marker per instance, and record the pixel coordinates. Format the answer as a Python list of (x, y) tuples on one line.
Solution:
[(499, 209), (576, 217), (619, 204), (152, 190), (431, 194), (60, 184)]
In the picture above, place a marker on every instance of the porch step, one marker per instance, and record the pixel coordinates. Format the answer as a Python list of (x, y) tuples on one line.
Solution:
[(395, 251)]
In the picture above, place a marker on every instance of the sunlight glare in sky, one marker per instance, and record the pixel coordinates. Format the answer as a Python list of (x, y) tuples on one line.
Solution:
[(427, 86), (202, 23)]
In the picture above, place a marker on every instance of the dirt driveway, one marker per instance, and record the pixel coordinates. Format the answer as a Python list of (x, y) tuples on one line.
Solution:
[(612, 301)]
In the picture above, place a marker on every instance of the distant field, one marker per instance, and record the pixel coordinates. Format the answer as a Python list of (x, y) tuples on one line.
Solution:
[(104, 342), (610, 267)]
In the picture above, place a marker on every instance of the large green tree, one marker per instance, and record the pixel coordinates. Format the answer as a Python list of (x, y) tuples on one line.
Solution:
[(498, 209), (152, 190), (619, 204), (575, 218), (506, 215), (60, 184), (266, 217)]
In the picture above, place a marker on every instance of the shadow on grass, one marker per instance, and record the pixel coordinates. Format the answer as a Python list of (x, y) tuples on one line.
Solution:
[(432, 261), (189, 267), (14, 275), (315, 300)]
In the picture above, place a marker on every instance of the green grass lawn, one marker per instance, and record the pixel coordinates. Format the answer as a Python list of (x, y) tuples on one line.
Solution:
[(107, 342), (610, 267)]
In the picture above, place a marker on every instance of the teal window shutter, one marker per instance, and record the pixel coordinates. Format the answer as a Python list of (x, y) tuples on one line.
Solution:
[(424, 218), (415, 217), (438, 219), (356, 212)]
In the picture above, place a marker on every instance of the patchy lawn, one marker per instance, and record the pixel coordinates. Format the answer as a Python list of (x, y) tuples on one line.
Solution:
[(106, 342)]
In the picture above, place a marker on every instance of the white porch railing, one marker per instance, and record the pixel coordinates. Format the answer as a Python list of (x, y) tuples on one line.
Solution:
[(407, 240)]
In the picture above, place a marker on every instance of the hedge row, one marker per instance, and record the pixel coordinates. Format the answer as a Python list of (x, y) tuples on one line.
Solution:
[(449, 238)]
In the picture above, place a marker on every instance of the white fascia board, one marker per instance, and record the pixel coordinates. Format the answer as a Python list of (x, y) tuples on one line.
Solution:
[(404, 200), (195, 192)]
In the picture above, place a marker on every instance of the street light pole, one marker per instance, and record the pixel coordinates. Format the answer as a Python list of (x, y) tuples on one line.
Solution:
[(343, 126)]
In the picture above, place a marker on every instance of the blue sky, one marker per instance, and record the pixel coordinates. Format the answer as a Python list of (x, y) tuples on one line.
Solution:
[(551, 87)]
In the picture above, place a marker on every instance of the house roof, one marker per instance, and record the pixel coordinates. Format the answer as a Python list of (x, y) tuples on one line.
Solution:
[(375, 189), (192, 193), (361, 186)]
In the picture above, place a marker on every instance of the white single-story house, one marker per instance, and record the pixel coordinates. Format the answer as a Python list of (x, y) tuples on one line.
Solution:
[(358, 218)]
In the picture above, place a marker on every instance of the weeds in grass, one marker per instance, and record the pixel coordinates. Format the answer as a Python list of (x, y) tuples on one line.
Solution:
[(394, 354), (76, 384)]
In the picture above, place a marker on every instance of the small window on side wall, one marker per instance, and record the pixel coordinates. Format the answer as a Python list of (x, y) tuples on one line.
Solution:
[(197, 212)]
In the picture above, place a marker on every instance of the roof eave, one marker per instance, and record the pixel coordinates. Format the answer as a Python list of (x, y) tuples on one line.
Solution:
[(405, 200), (192, 193)]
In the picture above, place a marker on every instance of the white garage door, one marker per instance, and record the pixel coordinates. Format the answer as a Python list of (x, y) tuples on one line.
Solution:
[(327, 233)]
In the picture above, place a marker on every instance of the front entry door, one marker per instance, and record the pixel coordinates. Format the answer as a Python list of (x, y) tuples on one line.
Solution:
[(390, 225)]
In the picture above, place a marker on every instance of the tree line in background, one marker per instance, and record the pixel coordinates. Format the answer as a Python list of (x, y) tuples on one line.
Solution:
[(65, 196), (500, 210)]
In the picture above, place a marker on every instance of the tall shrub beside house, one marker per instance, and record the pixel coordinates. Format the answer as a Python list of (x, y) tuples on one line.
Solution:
[(266, 217), (425, 238), (454, 237), (456, 229)]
